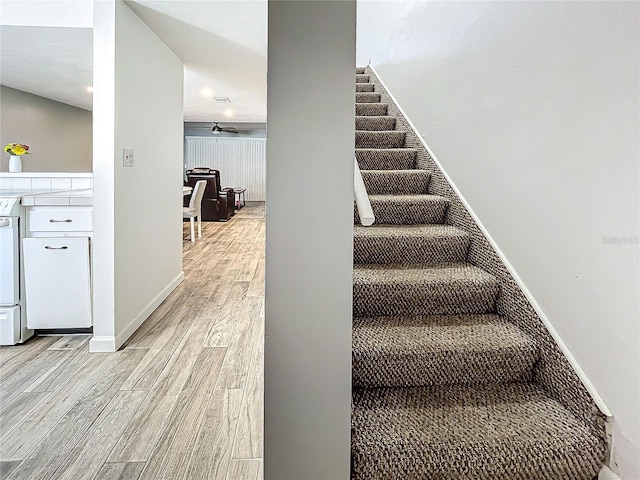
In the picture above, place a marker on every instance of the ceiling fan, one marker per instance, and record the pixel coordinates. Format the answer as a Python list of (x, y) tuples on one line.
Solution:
[(217, 129)]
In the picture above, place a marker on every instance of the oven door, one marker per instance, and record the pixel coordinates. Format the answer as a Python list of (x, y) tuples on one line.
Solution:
[(9, 261)]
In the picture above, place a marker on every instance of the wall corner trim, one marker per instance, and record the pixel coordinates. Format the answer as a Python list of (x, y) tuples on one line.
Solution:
[(547, 323), (148, 310), (113, 343)]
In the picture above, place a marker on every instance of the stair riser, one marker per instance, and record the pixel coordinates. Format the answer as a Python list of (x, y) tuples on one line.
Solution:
[(452, 298), (364, 87), (380, 159), (428, 369), (422, 250), (391, 183), (379, 139), (359, 70), (362, 78), (367, 97), (375, 109), (372, 123), (407, 214)]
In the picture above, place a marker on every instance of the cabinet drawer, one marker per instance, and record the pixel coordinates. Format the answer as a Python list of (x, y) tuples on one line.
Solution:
[(60, 219)]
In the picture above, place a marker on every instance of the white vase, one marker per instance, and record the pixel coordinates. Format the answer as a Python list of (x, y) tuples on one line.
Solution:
[(15, 164)]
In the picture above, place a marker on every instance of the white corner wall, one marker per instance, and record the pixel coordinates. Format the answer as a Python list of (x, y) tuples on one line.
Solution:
[(533, 110), (137, 210), (309, 251)]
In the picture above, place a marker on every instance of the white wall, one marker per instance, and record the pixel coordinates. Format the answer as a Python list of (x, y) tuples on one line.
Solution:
[(58, 135), (103, 259), (309, 253), (532, 108), (137, 105)]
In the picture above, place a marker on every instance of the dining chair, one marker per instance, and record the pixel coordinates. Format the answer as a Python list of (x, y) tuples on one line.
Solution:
[(193, 211)]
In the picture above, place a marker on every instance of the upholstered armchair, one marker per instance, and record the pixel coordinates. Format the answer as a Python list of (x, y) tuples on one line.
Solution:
[(218, 204)]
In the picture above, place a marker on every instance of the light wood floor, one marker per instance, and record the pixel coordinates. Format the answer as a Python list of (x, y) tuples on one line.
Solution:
[(182, 400)]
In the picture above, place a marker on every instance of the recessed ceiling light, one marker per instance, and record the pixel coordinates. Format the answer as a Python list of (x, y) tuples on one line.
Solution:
[(206, 92), (90, 89), (222, 99), (228, 113)]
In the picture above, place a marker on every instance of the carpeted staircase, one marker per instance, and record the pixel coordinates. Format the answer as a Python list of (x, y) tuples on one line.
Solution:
[(454, 375)]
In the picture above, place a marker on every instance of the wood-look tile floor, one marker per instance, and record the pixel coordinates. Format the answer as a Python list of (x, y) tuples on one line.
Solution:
[(182, 400)]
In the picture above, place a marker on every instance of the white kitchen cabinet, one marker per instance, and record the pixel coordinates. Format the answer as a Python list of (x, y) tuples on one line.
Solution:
[(57, 282), (60, 219)]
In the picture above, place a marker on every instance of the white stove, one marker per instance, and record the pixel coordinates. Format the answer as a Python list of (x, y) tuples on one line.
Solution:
[(13, 323)]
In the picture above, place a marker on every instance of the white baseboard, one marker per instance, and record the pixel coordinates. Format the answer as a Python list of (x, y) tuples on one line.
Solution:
[(147, 310), (607, 474), (545, 320), (113, 343), (102, 344)]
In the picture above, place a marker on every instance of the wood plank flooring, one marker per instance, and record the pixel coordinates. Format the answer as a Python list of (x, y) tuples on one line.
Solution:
[(182, 400)]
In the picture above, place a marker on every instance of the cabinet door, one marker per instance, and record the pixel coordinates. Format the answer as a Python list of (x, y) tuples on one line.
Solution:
[(57, 282)]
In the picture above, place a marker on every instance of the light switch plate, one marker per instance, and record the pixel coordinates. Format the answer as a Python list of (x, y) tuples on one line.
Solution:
[(127, 157)]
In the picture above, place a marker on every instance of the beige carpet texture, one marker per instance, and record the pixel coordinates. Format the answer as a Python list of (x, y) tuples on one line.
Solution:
[(454, 374)]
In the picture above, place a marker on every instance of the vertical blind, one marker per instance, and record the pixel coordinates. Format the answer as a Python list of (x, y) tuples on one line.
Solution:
[(242, 162)]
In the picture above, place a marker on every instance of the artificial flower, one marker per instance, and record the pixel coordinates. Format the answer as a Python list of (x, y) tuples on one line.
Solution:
[(17, 149)]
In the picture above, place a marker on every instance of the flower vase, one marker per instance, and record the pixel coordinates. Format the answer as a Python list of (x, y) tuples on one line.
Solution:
[(15, 164)]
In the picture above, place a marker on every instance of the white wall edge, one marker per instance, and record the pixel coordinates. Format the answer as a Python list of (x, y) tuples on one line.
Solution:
[(147, 310), (607, 474), (547, 323), (113, 343), (102, 344)]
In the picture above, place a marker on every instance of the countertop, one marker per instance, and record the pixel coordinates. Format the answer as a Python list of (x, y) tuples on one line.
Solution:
[(83, 197)]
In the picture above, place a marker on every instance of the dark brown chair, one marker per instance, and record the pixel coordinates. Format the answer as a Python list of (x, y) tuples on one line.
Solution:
[(217, 202)]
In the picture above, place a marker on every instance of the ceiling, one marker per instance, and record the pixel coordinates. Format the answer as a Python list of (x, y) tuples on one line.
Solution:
[(223, 44)]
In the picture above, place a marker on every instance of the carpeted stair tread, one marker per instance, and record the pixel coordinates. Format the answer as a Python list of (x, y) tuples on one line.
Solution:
[(386, 159), (365, 87), (375, 122), (504, 431), (396, 182), (375, 109), (380, 139), (367, 97), (407, 209), (410, 244), (444, 388), (434, 289), (439, 350)]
